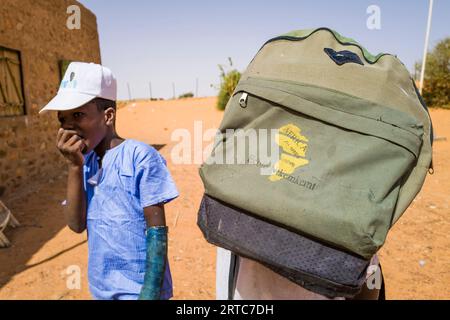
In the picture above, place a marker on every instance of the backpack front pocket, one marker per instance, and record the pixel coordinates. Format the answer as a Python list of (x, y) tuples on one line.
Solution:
[(342, 163)]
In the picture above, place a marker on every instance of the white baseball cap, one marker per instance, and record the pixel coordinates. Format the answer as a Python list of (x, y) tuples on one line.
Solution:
[(83, 82)]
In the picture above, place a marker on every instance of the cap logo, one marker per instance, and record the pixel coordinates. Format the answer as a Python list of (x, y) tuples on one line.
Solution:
[(69, 84)]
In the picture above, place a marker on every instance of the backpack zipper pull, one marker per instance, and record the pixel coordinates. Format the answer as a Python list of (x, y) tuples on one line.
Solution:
[(243, 100)]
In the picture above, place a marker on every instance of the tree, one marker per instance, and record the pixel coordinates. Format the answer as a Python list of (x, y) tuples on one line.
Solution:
[(229, 81), (186, 95), (436, 90)]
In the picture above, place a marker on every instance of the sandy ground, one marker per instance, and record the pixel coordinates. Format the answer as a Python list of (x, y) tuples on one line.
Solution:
[(45, 253)]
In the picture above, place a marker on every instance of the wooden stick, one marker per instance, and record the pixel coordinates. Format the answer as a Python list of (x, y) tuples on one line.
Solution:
[(176, 218)]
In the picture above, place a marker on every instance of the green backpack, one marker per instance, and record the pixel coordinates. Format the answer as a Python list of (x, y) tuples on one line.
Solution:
[(353, 134)]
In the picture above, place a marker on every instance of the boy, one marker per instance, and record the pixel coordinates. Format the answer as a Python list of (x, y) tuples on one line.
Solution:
[(116, 190)]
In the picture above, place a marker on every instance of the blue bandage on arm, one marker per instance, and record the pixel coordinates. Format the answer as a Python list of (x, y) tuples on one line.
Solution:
[(156, 240)]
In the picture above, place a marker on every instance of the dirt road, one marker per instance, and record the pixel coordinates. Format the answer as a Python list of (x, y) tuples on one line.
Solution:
[(45, 253)]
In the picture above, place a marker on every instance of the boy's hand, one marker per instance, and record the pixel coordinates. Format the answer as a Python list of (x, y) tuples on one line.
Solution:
[(70, 145)]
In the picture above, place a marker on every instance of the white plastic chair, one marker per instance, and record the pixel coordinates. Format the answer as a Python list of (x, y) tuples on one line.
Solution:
[(6, 218)]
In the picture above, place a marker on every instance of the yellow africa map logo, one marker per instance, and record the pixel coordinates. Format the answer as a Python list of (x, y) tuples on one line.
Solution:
[(294, 146)]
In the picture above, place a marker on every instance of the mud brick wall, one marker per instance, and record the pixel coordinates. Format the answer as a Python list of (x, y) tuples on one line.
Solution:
[(38, 29)]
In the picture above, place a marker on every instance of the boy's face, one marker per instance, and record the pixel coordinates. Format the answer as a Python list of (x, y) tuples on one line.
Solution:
[(90, 124)]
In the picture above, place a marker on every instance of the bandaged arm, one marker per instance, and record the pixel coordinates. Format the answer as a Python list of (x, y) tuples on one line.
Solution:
[(156, 241)]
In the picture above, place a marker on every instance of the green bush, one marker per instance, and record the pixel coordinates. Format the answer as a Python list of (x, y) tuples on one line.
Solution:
[(228, 83), (436, 90), (186, 95)]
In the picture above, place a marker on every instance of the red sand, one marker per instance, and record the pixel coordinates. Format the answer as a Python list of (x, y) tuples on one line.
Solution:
[(415, 258)]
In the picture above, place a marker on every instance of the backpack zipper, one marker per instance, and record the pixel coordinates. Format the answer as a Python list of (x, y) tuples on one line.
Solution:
[(243, 100)]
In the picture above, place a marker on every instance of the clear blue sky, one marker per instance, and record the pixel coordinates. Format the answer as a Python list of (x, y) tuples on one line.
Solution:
[(165, 41)]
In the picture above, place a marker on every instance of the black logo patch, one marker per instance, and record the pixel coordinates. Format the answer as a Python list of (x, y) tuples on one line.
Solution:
[(72, 75), (343, 57)]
